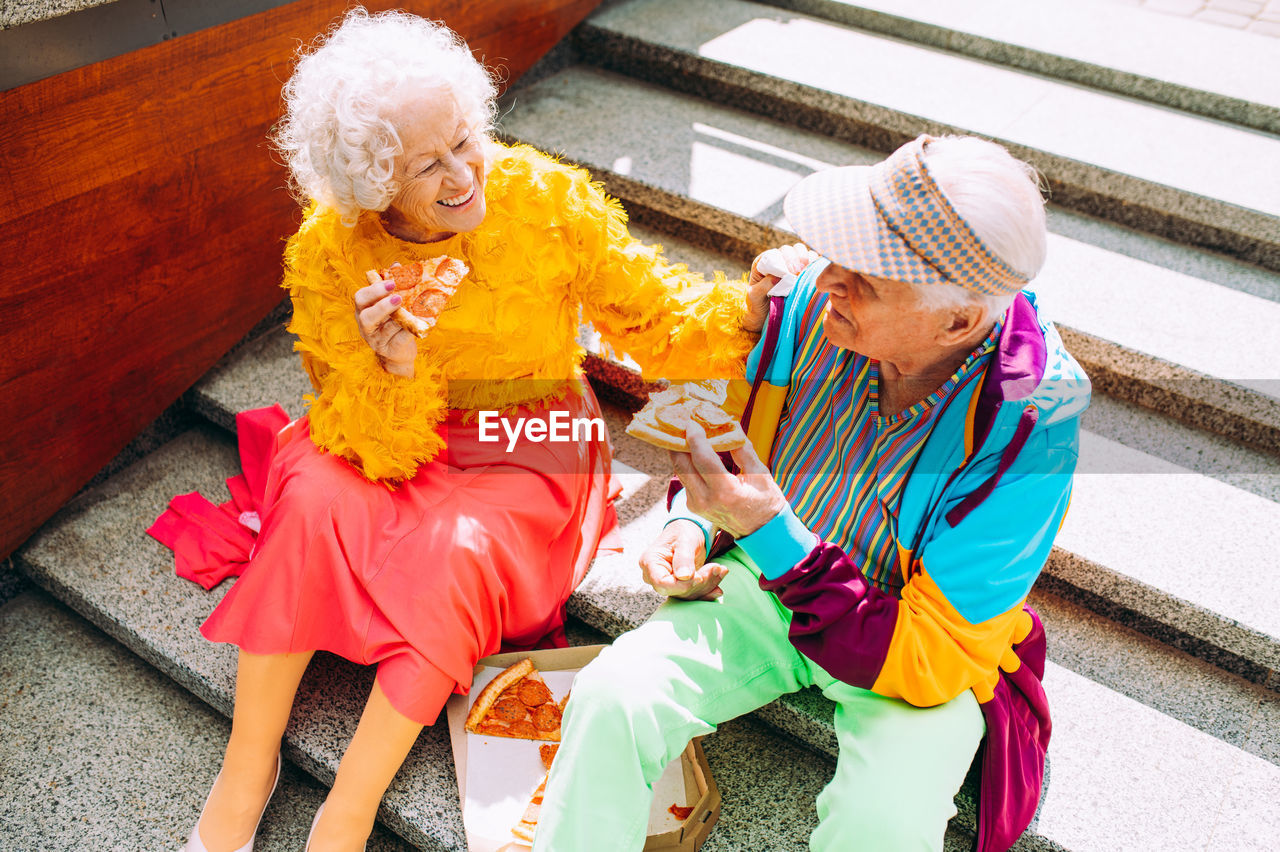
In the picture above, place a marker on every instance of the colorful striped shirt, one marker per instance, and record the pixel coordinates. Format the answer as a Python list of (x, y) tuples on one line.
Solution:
[(841, 465)]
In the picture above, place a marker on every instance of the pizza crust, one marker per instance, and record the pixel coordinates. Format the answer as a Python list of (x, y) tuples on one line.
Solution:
[(494, 688), (663, 419), (524, 829)]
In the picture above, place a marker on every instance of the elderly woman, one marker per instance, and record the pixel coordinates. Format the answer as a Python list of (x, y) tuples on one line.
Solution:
[(920, 422), (392, 533)]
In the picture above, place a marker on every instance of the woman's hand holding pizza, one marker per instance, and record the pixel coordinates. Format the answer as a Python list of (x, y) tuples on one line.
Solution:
[(394, 345), (738, 503), (675, 566)]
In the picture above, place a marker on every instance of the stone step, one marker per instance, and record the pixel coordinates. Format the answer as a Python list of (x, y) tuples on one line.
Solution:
[(1134, 719), (95, 557), (1128, 547), (1161, 324), (1162, 170), (100, 751), (1162, 518), (1221, 73)]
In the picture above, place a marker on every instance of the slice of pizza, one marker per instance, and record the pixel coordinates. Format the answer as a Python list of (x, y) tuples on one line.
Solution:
[(425, 287), (523, 830), (665, 417), (518, 704)]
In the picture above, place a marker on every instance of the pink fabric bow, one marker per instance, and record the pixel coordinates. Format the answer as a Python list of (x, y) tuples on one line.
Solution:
[(211, 543)]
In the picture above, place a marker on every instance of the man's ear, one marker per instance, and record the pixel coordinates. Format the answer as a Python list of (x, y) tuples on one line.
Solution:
[(960, 323)]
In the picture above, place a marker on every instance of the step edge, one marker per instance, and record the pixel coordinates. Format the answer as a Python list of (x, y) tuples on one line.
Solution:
[(1205, 102), (1147, 206)]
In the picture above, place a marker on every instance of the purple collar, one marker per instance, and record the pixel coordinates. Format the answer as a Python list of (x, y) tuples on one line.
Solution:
[(1015, 368)]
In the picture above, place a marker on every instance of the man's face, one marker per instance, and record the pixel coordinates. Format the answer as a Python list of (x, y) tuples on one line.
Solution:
[(877, 317)]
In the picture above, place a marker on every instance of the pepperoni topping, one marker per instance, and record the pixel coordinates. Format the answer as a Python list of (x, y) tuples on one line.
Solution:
[(680, 812), (426, 301), (509, 709), (546, 717), (405, 276), (523, 729), (533, 693)]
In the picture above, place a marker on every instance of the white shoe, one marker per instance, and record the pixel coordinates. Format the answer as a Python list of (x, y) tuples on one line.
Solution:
[(195, 844), (314, 820)]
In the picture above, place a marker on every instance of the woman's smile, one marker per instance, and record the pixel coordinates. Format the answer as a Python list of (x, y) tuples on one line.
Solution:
[(459, 200)]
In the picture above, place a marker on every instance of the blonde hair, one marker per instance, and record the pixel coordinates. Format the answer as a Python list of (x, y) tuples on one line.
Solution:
[(336, 135)]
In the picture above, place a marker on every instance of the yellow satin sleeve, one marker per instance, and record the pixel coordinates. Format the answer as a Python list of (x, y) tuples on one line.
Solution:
[(935, 654)]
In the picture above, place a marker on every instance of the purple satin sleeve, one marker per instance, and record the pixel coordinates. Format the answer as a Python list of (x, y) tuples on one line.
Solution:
[(674, 487), (839, 620), (1018, 730)]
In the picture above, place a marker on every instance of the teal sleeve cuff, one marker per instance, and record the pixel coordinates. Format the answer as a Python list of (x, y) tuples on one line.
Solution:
[(680, 512), (778, 545)]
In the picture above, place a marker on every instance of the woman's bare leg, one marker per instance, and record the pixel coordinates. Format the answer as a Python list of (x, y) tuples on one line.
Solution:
[(381, 743), (265, 688)]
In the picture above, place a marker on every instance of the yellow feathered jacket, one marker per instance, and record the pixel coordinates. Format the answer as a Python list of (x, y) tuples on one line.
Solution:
[(552, 249)]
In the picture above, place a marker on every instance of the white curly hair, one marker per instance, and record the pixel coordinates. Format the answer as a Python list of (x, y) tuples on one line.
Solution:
[(336, 136)]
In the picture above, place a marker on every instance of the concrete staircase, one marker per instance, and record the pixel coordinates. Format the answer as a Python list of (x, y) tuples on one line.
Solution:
[(1162, 597)]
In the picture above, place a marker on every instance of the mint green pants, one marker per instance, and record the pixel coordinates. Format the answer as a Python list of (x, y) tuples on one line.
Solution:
[(696, 664)]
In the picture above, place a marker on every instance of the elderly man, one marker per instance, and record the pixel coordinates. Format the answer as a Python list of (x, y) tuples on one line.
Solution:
[(921, 426)]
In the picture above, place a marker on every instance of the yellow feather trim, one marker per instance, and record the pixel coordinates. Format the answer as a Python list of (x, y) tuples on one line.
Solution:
[(552, 246)]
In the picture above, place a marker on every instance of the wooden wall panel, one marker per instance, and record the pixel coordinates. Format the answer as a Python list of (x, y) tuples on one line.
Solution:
[(142, 218)]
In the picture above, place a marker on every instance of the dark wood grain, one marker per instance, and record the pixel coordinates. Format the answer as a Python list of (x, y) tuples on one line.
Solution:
[(142, 218)]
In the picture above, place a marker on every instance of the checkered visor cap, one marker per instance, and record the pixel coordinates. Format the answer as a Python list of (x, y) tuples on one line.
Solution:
[(891, 220)]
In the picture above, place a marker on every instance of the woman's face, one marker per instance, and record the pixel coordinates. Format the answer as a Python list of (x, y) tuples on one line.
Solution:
[(441, 172)]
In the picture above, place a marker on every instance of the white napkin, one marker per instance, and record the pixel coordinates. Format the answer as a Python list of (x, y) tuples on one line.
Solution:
[(772, 263)]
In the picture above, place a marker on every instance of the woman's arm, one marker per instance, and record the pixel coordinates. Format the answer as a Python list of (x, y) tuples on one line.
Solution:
[(384, 424), (674, 322)]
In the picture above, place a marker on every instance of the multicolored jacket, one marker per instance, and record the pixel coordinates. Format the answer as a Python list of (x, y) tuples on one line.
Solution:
[(976, 522)]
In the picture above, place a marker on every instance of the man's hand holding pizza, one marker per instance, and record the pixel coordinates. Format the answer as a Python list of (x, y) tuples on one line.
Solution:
[(739, 503)]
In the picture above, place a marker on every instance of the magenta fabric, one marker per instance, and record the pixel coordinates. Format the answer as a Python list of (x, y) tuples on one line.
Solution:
[(839, 619), (1013, 754), (1017, 366), (211, 543)]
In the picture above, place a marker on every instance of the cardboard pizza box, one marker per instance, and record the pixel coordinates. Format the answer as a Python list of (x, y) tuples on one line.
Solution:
[(687, 780)]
